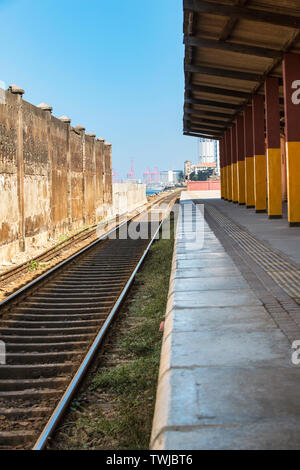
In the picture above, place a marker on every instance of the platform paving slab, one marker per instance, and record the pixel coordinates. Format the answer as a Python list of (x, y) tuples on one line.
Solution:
[(276, 233), (226, 377), (205, 272), (200, 319), (270, 435)]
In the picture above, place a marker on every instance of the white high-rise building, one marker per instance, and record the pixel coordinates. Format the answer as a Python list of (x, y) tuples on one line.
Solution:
[(208, 151)]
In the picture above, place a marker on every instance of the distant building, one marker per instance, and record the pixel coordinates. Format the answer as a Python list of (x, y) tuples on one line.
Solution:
[(187, 168), (133, 181), (203, 166), (169, 177), (177, 176), (208, 158), (208, 153)]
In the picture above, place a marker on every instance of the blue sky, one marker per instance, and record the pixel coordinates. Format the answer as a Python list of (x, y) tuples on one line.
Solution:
[(113, 66)]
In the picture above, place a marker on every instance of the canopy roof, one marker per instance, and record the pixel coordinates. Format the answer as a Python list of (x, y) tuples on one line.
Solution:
[(231, 46)]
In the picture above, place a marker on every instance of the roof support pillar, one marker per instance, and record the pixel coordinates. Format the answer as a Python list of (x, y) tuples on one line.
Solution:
[(240, 149), (260, 168), (273, 148), (249, 159), (222, 165), (234, 164), (291, 86), (229, 166), (226, 189)]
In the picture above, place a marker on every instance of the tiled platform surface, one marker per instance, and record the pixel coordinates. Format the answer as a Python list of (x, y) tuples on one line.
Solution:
[(274, 232), (226, 377)]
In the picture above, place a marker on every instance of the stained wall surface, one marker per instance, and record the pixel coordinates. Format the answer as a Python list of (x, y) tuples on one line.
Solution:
[(53, 178)]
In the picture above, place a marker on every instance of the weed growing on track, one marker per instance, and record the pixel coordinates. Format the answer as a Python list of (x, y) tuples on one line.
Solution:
[(127, 390), (34, 265)]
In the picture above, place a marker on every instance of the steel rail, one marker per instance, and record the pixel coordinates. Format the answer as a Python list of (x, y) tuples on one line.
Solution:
[(78, 237), (66, 398), (63, 263), (78, 253)]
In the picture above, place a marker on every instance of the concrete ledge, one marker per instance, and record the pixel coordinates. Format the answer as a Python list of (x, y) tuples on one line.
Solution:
[(226, 379)]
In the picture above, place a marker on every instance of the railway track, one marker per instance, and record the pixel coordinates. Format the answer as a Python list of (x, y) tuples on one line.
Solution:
[(57, 250), (52, 328)]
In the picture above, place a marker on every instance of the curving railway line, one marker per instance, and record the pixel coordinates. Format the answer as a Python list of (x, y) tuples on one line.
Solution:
[(53, 326)]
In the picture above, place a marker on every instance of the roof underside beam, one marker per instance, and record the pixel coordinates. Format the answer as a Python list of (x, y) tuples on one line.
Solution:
[(251, 14), (217, 91), (200, 112), (242, 67), (220, 72), (188, 117), (231, 47), (196, 134), (212, 103), (207, 134), (204, 127), (222, 92)]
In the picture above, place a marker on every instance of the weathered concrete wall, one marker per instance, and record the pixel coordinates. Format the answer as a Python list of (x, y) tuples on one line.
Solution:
[(58, 176), (99, 160), (35, 157), (89, 181), (108, 198), (9, 209), (53, 178), (127, 197), (76, 150)]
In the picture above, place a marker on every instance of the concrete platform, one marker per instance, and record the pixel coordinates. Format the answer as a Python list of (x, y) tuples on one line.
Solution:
[(226, 377), (274, 232)]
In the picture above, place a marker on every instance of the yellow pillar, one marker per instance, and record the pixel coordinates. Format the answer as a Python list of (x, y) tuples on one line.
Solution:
[(234, 164), (229, 183), (293, 181), (240, 150), (225, 183), (241, 182), (260, 167), (274, 183), (260, 183), (249, 182), (229, 166), (273, 148), (221, 181), (249, 160), (291, 75), (234, 182), (222, 156)]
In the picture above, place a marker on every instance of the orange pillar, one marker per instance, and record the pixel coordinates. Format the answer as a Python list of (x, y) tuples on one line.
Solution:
[(234, 165), (221, 150), (283, 168), (273, 148), (291, 87), (228, 153), (260, 167), (240, 159), (225, 170), (249, 158)]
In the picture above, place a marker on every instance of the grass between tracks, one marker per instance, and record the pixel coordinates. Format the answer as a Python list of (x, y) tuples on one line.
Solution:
[(123, 417)]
